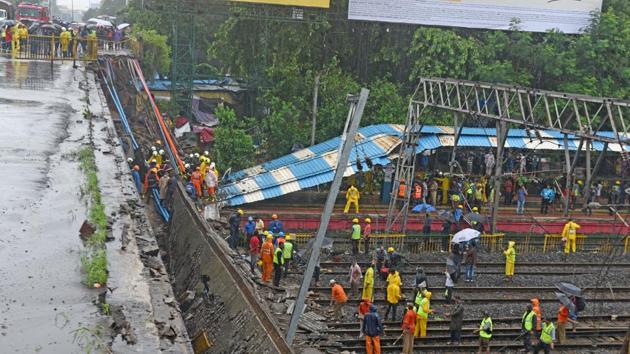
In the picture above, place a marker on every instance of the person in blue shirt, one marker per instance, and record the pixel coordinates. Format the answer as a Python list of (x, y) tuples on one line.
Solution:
[(135, 172), (457, 215), (547, 195), (275, 225), (250, 227)]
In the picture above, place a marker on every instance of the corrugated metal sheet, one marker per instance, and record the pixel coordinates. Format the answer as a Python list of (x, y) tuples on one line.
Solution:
[(315, 165)]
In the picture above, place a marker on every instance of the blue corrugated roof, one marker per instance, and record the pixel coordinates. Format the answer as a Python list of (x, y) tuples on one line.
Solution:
[(311, 168)]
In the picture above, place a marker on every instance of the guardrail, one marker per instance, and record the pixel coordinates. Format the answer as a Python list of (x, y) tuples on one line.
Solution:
[(40, 47), (554, 242)]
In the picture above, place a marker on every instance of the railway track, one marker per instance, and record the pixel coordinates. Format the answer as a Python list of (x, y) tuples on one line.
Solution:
[(486, 289), (496, 264)]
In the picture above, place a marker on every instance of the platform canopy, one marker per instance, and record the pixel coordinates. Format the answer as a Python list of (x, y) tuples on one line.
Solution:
[(315, 165)]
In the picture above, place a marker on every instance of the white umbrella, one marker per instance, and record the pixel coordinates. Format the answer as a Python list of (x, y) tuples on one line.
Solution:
[(96, 21), (122, 26), (465, 235)]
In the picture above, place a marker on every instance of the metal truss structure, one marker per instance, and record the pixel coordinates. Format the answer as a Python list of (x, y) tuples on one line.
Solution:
[(572, 115)]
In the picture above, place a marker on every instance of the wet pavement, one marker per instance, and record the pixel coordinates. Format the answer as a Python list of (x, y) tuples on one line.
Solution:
[(42, 300)]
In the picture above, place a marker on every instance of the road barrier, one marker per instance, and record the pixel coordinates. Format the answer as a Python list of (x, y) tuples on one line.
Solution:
[(40, 47), (554, 242)]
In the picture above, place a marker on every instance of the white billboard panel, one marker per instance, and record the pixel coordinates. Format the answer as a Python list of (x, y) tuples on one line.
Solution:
[(569, 16)]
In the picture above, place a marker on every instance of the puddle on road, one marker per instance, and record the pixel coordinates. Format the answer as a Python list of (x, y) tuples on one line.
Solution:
[(29, 75)]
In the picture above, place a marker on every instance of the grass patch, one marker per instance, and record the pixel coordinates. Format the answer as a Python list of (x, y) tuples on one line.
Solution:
[(95, 262)]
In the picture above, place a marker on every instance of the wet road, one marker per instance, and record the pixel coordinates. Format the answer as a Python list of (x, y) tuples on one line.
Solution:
[(42, 300)]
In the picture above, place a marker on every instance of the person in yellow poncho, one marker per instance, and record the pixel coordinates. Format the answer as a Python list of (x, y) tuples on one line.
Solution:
[(352, 197), (444, 186), (569, 235), (368, 284), (510, 259), (64, 41), (422, 315)]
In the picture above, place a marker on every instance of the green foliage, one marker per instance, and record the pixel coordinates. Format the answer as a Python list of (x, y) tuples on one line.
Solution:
[(233, 146), (95, 266), (386, 103), (153, 51)]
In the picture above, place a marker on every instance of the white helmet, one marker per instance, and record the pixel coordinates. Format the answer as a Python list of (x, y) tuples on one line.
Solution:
[(206, 153), (187, 165), (153, 148), (155, 153), (191, 155), (161, 152), (197, 155), (212, 165), (130, 160)]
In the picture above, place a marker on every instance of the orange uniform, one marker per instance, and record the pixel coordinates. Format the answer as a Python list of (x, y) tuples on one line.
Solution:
[(266, 256), (339, 294), (196, 179)]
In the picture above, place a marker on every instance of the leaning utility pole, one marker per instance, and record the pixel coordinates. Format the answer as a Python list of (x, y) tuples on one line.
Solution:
[(357, 105)]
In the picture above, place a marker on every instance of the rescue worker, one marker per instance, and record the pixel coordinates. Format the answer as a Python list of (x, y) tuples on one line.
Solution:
[(563, 319), (266, 255), (135, 173), (393, 258), (474, 223), (288, 253), (214, 169), (364, 307), (394, 277), (278, 263), (151, 181), (402, 190), (569, 236), (260, 226), (275, 226), (485, 333), (510, 259), (379, 260), (547, 337), (64, 41), (393, 296), (254, 251), (528, 323), (355, 278), (235, 225), (367, 231), (352, 197), (355, 236), (163, 183), (92, 45), (250, 227), (368, 283), (417, 193), (536, 310), (372, 328), (457, 215), (196, 180), (424, 309), (408, 329), (337, 300)]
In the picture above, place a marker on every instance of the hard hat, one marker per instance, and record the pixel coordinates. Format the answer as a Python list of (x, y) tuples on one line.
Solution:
[(197, 155), (153, 148), (63, 28), (475, 209), (212, 165), (579, 182), (281, 233), (206, 153), (159, 142), (191, 155), (331, 282), (259, 263), (368, 220), (617, 182), (390, 249), (130, 160), (288, 238), (136, 168), (161, 152), (280, 241), (460, 206), (269, 237), (187, 165), (355, 220), (250, 219), (274, 216), (155, 153), (240, 211)]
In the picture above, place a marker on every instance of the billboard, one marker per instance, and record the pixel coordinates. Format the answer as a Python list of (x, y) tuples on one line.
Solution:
[(302, 3), (569, 16)]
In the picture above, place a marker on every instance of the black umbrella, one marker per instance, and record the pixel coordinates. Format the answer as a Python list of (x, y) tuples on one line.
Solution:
[(569, 289), (446, 215), (476, 217), (564, 299)]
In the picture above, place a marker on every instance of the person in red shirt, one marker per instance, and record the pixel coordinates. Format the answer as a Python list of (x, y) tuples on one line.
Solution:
[(364, 307), (408, 327), (254, 250)]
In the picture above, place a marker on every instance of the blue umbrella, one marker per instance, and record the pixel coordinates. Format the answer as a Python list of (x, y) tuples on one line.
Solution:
[(424, 207)]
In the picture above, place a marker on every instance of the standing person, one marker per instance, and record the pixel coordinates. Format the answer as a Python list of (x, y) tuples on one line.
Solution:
[(163, 183), (151, 181), (211, 182), (379, 259), (393, 296), (489, 162), (457, 215), (510, 260), (433, 189), (278, 263), (547, 337), (457, 321), (420, 280), (368, 283), (546, 198), (288, 250), (196, 180), (135, 173), (563, 318), (470, 260), (355, 278), (408, 329), (522, 164), (521, 196), (569, 236), (426, 227), (337, 300), (254, 252), (424, 309), (266, 255), (355, 236), (352, 197), (250, 227), (364, 307), (485, 333), (449, 285), (538, 314), (235, 224), (367, 232), (260, 226), (508, 189), (275, 226), (528, 323), (372, 328)]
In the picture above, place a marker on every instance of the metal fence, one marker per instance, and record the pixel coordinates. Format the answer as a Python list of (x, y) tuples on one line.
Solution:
[(39, 47)]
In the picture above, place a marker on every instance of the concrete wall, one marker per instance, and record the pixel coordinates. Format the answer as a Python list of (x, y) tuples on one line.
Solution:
[(233, 319)]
